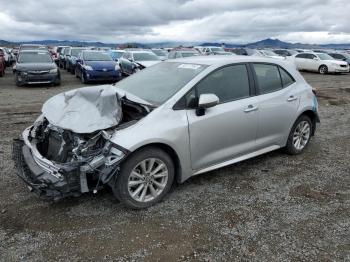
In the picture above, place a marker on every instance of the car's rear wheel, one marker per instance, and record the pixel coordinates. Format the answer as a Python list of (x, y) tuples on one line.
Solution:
[(299, 136), (144, 179), (323, 69)]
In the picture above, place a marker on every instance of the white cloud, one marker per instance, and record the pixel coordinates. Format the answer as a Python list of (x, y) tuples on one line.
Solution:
[(236, 21)]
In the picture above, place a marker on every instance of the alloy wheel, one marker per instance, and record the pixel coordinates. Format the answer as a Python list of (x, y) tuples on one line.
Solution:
[(148, 179), (301, 135)]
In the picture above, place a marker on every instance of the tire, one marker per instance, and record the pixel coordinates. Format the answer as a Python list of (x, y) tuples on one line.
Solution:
[(18, 83), (83, 80), (323, 69), (297, 134), (76, 73), (145, 198), (2, 73)]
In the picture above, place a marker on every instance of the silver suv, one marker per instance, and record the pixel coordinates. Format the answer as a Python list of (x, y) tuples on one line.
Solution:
[(166, 123)]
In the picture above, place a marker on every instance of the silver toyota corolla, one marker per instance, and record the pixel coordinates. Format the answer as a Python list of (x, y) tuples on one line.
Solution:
[(169, 122)]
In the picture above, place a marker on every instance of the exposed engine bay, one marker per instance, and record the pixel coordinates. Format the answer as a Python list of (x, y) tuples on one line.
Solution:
[(59, 162)]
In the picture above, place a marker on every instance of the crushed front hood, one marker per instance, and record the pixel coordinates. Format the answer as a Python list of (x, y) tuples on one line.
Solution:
[(85, 110)]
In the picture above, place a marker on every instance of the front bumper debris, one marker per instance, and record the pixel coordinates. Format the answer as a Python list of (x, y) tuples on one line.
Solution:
[(41, 182)]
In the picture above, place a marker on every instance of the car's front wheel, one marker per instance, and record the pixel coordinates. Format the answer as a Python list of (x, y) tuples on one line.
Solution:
[(144, 179), (323, 69), (299, 136)]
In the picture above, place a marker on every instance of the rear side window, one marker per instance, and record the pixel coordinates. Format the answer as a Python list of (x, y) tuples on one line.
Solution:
[(301, 56), (228, 83), (286, 78), (268, 78)]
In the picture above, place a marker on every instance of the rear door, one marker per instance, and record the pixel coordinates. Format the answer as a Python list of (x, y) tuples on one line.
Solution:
[(227, 130), (301, 61), (278, 101)]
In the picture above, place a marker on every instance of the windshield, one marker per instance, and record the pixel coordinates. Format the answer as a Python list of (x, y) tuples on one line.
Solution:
[(188, 54), (156, 84), (216, 49), (145, 57), (96, 56), (25, 57), (116, 54), (325, 57), (75, 52), (159, 52)]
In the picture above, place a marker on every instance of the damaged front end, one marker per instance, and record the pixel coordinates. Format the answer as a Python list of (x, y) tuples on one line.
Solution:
[(58, 162)]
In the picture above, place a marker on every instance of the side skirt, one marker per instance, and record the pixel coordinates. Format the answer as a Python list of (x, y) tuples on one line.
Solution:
[(238, 159)]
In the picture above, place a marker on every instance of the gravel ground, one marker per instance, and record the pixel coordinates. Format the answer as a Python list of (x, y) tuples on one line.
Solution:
[(274, 207)]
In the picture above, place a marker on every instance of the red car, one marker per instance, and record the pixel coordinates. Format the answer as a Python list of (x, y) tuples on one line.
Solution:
[(2, 64)]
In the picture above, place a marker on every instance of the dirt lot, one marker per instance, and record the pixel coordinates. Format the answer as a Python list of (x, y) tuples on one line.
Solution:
[(274, 207)]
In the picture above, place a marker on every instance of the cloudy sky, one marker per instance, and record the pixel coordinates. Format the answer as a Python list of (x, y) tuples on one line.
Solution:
[(230, 21)]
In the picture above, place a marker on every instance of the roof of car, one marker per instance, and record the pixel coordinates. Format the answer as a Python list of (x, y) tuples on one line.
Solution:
[(140, 51), (216, 60), (34, 51)]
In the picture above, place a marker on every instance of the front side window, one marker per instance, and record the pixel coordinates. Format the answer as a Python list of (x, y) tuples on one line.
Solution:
[(268, 78), (229, 83)]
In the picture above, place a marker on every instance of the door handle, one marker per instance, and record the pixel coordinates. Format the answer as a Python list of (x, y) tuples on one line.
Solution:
[(292, 98), (250, 108)]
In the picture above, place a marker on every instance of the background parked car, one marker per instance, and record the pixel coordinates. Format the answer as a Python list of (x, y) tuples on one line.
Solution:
[(7, 57), (341, 57), (319, 62), (285, 52), (63, 55), (182, 52), (135, 60), (243, 51), (162, 54), (214, 50), (2, 64), (96, 66), (268, 53), (71, 58), (116, 54), (36, 67), (32, 47)]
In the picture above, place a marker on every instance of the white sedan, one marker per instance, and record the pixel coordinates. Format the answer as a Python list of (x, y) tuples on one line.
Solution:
[(319, 62)]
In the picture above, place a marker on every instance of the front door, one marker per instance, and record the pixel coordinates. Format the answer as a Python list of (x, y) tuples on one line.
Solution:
[(227, 130)]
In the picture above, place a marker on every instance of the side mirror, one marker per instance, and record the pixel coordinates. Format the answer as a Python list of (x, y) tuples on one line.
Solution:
[(78, 61), (316, 58), (206, 101)]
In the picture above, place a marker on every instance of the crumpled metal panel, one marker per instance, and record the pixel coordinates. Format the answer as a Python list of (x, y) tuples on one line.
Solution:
[(85, 110)]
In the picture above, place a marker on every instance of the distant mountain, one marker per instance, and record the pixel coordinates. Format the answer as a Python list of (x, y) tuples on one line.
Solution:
[(266, 43)]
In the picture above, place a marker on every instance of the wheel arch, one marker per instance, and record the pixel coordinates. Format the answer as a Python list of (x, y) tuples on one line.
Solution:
[(314, 118)]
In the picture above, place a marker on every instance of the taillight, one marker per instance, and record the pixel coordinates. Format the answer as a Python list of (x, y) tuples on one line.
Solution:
[(314, 90)]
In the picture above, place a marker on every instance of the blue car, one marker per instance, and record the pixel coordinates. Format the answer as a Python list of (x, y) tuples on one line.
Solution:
[(71, 58), (96, 66)]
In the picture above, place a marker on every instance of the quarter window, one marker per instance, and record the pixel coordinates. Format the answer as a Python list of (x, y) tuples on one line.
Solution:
[(229, 83), (268, 78), (286, 78)]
